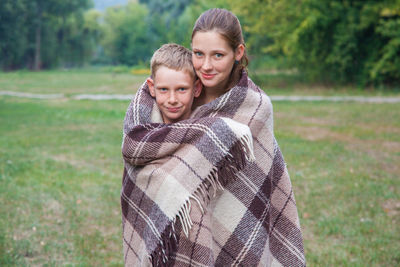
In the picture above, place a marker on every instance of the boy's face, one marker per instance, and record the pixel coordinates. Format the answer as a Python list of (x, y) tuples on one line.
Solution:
[(174, 92)]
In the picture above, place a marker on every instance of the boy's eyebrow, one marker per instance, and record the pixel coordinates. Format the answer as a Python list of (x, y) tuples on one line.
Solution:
[(160, 85)]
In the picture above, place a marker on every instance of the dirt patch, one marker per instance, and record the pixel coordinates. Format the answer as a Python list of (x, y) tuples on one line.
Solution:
[(380, 128), (390, 146), (382, 151), (92, 128), (313, 133), (53, 211), (102, 163), (391, 168), (392, 207), (376, 146), (74, 162), (318, 121)]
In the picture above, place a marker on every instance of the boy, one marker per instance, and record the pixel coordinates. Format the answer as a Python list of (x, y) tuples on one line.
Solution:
[(173, 82)]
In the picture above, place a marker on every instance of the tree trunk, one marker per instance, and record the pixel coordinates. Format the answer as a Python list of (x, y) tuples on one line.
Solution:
[(37, 63), (38, 41)]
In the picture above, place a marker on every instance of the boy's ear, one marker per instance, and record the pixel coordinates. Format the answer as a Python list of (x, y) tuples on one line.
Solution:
[(150, 83), (198, 86)]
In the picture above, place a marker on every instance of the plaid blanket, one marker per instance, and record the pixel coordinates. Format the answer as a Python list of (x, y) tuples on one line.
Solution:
[(212, 190)]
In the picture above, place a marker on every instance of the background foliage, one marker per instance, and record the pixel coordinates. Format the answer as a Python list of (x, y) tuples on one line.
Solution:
[(43, 33), (338, 41)]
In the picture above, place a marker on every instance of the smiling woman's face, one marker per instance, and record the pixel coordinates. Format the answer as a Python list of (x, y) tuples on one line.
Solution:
[(213, 59)]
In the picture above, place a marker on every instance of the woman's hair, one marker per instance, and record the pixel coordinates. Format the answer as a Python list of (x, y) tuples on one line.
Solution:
[(227, 24)]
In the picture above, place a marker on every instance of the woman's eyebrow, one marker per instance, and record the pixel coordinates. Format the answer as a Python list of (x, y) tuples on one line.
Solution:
[(220, 50)]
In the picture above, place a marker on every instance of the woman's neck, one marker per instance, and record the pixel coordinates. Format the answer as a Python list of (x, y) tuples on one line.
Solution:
[(208, 94), (211, 93)]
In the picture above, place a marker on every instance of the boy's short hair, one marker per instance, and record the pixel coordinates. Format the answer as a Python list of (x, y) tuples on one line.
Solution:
[(172, 56)]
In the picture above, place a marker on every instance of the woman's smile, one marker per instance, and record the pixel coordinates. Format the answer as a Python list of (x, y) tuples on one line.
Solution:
[(207, 76)]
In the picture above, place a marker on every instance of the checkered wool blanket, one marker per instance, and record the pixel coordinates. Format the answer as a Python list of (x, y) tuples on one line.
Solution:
[(207, 191)]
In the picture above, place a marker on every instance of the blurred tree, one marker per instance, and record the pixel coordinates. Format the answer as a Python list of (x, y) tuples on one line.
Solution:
[(179, 18), (125, 34), (387, 67), (13, 33), (166, 21), (46, 14), (173, 8), (93, 34), (131, 33), (339, 40), (29, 26)]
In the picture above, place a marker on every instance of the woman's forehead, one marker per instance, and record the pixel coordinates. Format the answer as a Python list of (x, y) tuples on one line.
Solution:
[(209, 40)]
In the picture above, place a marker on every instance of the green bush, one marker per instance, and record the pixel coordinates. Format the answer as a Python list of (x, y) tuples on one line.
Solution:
[(341, 41)]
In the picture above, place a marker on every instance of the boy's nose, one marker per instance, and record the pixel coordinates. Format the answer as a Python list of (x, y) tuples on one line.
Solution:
[(172, 98)]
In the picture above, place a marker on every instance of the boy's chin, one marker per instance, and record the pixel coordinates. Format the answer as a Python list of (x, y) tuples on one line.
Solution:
[(173, 119)]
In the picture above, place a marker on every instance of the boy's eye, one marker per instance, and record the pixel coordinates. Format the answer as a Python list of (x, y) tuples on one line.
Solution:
[(219, 55), (182, 89), (163, 89)]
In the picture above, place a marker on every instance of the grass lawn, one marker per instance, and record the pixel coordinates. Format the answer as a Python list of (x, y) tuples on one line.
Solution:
[(61, 169), (60, 177), (71, 82), (91, 81)]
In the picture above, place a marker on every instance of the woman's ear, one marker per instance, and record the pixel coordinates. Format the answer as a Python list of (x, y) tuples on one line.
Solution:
[(150, 83), (239, 52), (198, 86)]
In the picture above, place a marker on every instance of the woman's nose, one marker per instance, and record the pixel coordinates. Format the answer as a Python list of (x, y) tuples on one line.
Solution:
[(207, 65)]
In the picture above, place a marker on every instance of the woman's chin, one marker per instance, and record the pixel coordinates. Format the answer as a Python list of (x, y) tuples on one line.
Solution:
[(209, 83)]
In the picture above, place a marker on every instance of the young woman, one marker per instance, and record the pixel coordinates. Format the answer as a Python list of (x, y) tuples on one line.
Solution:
[(219, 54), (243, 213)]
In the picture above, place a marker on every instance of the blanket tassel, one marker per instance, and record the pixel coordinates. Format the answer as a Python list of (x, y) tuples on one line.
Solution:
[(236, 159)]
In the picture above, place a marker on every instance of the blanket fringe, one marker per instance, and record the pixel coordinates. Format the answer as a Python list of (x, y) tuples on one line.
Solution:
[(236, 159), (169, 243)]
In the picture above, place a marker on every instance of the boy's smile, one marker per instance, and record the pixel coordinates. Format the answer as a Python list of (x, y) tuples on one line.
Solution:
[(174, 92)]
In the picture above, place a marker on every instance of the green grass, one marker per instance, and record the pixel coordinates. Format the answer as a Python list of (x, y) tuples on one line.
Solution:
[(343, 160), (71, 82), (60, 176), (278, 82), (61, 169), (105, 81)]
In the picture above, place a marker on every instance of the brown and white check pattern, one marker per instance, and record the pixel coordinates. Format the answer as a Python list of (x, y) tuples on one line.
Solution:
[(209, 191)]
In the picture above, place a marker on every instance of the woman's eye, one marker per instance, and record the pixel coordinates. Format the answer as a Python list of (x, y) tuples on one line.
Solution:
[(198, 54), (219, 55)]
